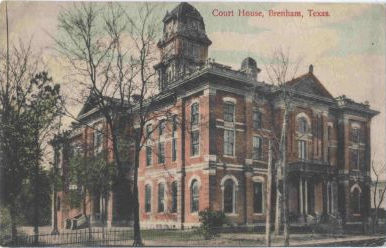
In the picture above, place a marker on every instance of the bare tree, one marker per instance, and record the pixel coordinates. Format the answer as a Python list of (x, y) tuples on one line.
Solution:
[(113, 54), (280, 70), (379, 189)]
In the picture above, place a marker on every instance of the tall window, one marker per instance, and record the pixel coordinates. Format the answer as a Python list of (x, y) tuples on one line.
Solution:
[(355, 160), (195, 143), (302, 149), (257, 197), (148, 131), (257, 148), (161, 152), (356, 201), (174, 197), (303, 126), (98, 139), (194, 196), (195, 115), (161, 197), (256, 118), (147, 198), (161, 127), (229, 196), (148, 155), (229, 112), (229, 140), (355, 135)]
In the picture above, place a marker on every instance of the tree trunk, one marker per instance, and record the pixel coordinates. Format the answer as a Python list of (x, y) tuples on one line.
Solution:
[(285, 179), (36, 203), (137, 229), (54, 230), (13, 223), (268, 207), (278, 210)]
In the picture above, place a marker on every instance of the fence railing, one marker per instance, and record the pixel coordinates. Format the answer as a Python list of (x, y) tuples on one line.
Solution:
[(84, 237)]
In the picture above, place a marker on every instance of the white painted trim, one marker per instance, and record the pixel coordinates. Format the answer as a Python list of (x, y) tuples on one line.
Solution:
[(226, 177), (229, 99), (194, 177), (302, 114), (356, 185)]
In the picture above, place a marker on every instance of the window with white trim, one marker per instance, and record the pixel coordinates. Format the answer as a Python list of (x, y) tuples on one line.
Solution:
[(149, 154), (257, 148), (98, 138), (194, 196), (161, 197), (229, 111), (195, 143), (161, 152), (229, 142), (302, 125), (161, 127), (302, 149), (174, 197), (229, 196), (256, 119), (195, 114), (258, 197), (147, 198)]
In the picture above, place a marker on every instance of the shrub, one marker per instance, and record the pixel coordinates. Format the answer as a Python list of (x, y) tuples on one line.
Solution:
[(211, 221)]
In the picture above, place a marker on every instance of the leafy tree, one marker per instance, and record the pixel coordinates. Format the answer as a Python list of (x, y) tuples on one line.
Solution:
[(93, 175)]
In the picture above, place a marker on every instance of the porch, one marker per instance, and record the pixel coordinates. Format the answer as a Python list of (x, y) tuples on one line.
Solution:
[(313, 192)]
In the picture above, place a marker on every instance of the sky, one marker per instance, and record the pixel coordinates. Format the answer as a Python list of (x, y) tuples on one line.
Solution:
[(347, 47)]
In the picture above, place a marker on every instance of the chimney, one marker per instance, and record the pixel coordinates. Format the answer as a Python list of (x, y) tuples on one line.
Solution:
[(311, 69)]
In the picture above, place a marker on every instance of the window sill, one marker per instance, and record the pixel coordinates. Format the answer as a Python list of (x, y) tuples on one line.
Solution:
[(231, 214), (229, 156), (195, 156), (258, 214)]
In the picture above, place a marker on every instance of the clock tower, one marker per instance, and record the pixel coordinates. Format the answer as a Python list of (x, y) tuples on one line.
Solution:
[(183, 46)]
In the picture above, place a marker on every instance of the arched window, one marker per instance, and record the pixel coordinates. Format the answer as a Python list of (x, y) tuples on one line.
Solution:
[(174, 197), (194, 196), (161, 197), (229, 111), (147, 198), (303, 126), (356, 200), (257, 197), (229, 196), (194, 115)]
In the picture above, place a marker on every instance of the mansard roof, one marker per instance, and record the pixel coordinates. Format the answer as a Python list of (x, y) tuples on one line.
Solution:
[(181, 11)]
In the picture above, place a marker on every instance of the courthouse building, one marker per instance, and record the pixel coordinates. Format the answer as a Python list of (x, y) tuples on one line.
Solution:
[(214, 152)]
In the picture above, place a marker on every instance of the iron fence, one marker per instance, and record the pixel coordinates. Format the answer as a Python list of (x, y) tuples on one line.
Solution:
[(81, 237)]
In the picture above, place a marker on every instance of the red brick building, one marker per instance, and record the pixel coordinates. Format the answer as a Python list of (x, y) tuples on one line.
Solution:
[(214, 152)]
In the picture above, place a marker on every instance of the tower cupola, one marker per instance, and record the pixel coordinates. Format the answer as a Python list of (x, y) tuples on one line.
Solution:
[(184, 44), (249, 66)]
